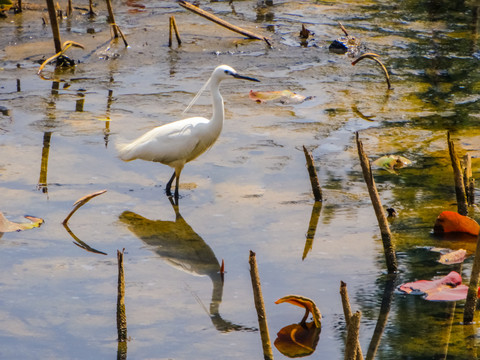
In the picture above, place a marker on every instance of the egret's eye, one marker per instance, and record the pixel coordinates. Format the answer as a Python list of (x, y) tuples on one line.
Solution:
[(226, 72)]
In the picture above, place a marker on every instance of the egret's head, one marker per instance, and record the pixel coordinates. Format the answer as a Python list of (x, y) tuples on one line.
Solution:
[(225, 72)]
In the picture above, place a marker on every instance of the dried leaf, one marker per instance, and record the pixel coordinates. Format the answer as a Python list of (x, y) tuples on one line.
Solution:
[(451, 221), (392, 162), (9, 226), (448, 288), (305, 303), (296, 340), (453, 257), (284, 97)]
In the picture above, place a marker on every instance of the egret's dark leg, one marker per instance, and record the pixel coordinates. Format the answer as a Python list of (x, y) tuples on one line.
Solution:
[(168, 189), (177, 185)]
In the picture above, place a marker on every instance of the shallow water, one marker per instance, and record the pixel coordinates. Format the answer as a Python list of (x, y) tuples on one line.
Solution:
[(251, 191)]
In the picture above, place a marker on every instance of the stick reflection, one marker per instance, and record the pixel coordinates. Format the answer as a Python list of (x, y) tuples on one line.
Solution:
[(181, 247)]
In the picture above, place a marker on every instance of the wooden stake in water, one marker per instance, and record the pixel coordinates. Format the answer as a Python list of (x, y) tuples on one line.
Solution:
[(352, 336), (471, 302), (317, 191), (347, 312), (468, 180), (260, 307), (458, 177), (121, 314), (388, 247), (52, 14)]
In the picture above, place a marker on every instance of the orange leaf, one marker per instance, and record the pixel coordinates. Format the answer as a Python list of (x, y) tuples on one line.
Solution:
[(304, 302), (451, 221)]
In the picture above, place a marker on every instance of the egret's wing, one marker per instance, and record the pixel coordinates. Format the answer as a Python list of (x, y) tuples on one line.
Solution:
[(167, 143)]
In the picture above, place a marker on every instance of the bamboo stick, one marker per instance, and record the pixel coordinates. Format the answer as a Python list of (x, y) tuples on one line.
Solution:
[(458, 177), (221, 22), (260, 307), (317, 191), (388, 246)]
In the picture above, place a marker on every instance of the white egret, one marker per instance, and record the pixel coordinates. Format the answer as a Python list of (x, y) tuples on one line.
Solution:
[(176, 143)]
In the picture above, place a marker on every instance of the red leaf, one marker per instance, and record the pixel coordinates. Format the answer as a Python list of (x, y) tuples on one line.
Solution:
[(448, 288)]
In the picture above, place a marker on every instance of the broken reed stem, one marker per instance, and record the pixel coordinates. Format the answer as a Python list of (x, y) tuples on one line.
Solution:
[(175, 28), (111, 18), (317, 191), (458, 177), (69, 8), (374, 57), (471, 302), (221, 22), (170, 28), (260, 307), (115, 26), (388, 247), (468, 180), (347, 312), (121, 315), (52, 14), (352, 336)]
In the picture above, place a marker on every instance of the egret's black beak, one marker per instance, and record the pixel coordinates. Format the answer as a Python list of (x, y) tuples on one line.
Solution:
[(237, 76)]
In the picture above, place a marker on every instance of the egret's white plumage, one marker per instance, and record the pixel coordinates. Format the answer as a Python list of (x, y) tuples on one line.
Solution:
[(176, 143)]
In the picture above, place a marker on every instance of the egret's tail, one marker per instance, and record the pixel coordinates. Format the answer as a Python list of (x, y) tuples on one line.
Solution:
[(126, 152)]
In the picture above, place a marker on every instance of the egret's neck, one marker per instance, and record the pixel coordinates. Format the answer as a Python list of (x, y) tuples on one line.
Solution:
[(217, 101)]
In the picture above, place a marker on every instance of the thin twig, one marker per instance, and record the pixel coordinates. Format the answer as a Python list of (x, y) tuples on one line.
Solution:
[(175, 28)]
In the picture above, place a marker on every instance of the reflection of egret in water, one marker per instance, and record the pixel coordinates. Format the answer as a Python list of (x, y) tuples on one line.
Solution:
[(178, 244)]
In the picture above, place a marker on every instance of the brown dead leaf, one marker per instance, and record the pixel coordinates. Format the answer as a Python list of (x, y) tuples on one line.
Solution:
[(9, 226)]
